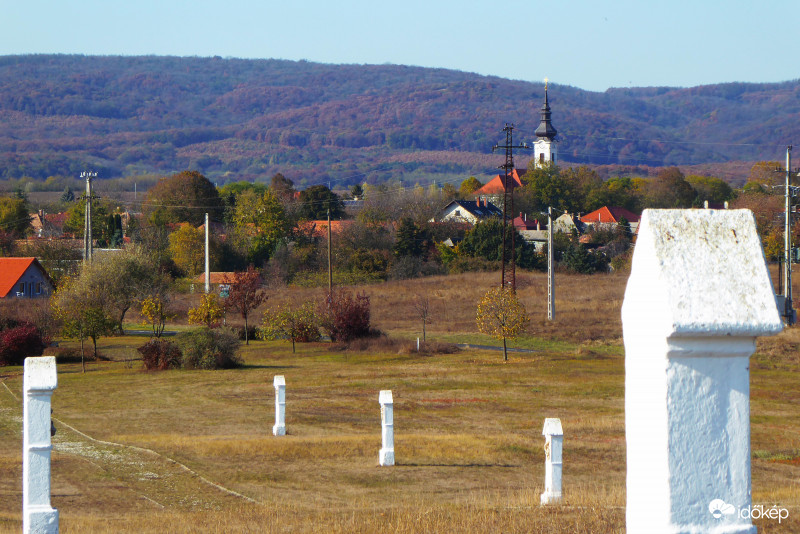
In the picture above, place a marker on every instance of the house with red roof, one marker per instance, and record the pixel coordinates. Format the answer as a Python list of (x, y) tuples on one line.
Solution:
[(495, 188), (610, 215), (320, 228), (24, 278)]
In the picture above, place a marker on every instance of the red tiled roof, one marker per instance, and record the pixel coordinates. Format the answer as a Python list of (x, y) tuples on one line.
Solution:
[(320, 228), (215, 277), (11, 269), (525, 224), (495, 185), (608, 214)]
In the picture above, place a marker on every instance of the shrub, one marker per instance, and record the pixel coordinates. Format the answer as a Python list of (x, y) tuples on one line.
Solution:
[(579, 260), (345, 316), (160, 354), (252, 332), (20, 341), (204, 348)]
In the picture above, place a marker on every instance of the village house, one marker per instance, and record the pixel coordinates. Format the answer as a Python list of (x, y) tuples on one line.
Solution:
[(467, 211), (24, 278), (609, 216), (531, 231), (494, 189)]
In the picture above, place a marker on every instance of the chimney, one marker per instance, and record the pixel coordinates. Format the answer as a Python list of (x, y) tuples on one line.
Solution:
[(537, 224)]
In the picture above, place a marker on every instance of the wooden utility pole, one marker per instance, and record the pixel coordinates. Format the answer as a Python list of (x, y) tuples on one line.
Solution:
[(508, 269)]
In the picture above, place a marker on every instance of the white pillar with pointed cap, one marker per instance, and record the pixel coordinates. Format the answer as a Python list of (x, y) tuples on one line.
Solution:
[(279, 429), (39, 380), (553, 447), (698, 295), (386, 454)]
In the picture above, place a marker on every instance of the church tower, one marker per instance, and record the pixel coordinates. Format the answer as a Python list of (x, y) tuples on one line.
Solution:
[(545, 149)]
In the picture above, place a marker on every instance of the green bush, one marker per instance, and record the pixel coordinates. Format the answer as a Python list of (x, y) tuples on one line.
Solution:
[(204, 348)]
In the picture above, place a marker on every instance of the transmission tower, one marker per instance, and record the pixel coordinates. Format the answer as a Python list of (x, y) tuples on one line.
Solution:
[(508, 274)]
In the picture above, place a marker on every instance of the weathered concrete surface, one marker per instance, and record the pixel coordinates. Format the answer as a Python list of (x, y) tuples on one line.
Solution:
[(553, 447), (698, 295), (39, 381), (386, 454)]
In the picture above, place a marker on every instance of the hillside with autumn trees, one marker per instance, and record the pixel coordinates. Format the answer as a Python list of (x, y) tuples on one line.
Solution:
[(235, 119)]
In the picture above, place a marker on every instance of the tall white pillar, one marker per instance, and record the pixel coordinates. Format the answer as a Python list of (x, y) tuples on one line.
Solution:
[(386, 454), (207, 254), (553, 446), (279, 429), (698, 295), (39, 380)]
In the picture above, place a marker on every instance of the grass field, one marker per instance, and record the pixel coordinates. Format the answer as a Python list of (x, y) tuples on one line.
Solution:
[(192, 451)]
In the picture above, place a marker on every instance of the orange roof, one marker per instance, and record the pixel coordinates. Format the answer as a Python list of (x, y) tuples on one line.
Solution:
[(609, 215), (495, 185), (320, 228), (11, 269), (215, 277)]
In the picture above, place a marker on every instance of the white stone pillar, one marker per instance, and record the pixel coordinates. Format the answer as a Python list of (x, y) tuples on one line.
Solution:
[(39, 381), (386, 454), (698, 295), (553, 446), (279, 429)]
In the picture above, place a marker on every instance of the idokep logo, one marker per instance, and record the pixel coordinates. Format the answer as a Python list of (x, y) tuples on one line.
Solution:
[(719, 508)]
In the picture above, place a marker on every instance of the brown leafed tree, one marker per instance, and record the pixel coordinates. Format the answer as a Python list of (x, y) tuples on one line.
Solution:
[(245, 294)]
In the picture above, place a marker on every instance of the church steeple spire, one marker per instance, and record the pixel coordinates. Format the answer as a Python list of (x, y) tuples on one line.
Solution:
[(544, 149), (545, 129)]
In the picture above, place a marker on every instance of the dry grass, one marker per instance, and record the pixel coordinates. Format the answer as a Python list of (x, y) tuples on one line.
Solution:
[(192, 451)]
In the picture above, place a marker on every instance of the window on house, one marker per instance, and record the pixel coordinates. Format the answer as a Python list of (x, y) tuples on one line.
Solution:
[(22, 287), (541, 157), (554, 158), (38, 288)]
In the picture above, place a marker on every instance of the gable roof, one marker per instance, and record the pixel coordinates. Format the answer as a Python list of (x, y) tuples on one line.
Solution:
[(479, 210), (12, 269), (609, 214), (495, 185), (523, 223)]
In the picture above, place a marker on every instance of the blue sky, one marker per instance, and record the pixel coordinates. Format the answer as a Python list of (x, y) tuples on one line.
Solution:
[(589, 44)]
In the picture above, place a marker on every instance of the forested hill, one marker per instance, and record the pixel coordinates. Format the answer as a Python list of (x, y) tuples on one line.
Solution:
[(248, 119)]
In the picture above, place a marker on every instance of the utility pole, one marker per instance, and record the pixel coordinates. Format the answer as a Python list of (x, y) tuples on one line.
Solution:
[(330, 270), (508, 273), (87, 217), (208, 274), (551, 282), (789, 313)]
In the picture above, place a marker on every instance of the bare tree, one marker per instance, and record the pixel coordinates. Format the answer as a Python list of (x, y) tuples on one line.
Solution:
[(423, 309)]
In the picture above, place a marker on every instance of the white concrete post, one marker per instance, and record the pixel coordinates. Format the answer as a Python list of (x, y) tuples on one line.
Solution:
[(279, 429), (386, 454), (39, 381), (698, 295), (553, 446)]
